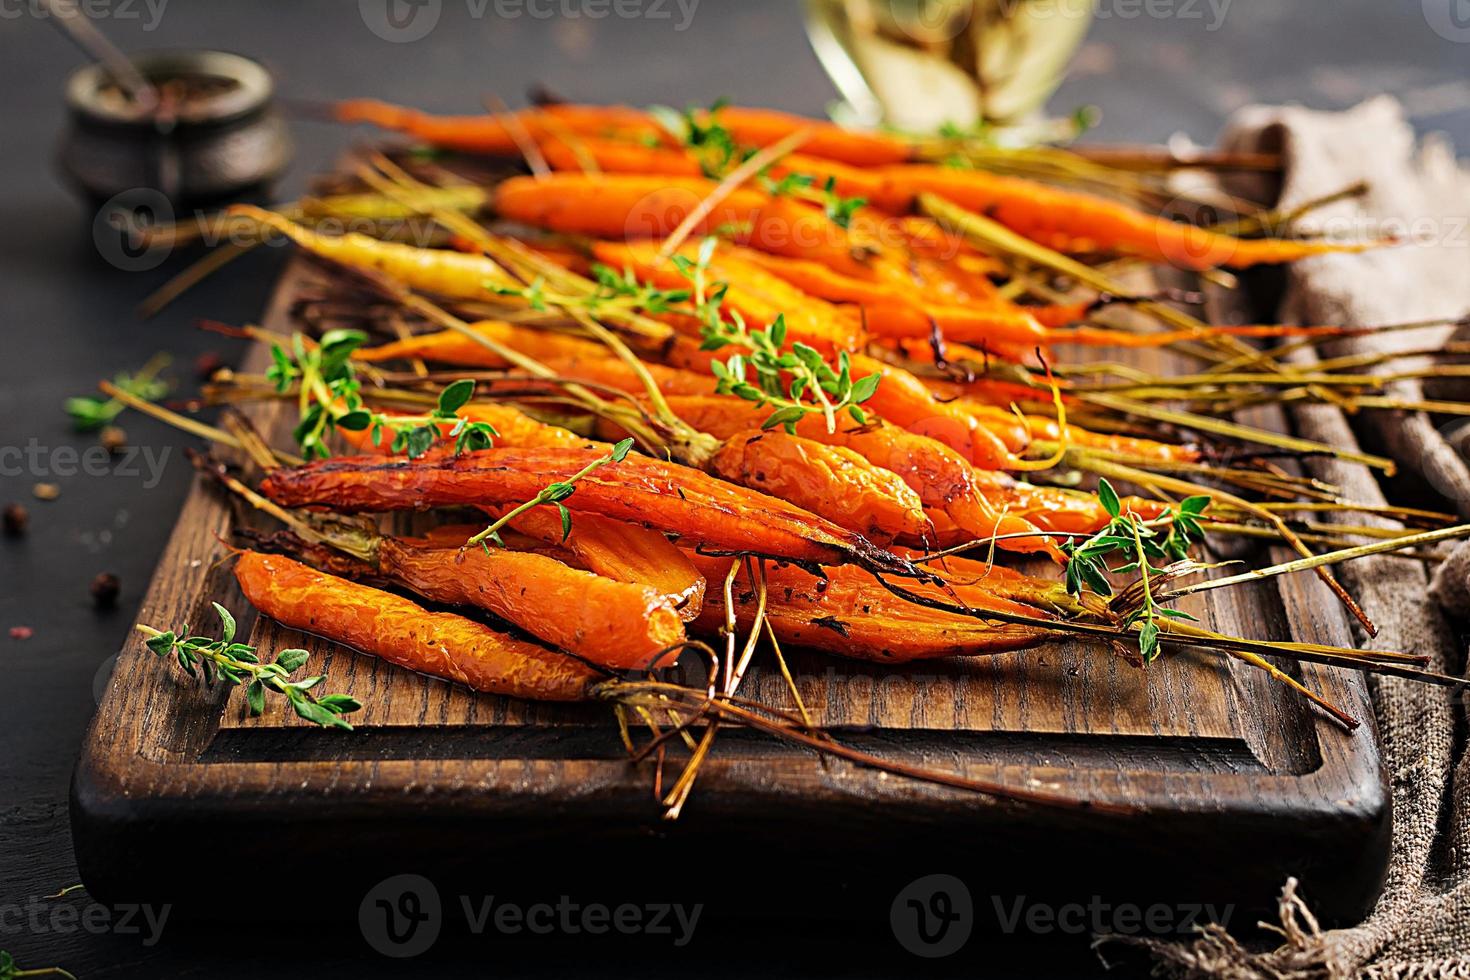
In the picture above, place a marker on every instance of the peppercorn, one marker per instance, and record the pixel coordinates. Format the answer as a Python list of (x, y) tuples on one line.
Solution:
[(17, 519), (104, 589)]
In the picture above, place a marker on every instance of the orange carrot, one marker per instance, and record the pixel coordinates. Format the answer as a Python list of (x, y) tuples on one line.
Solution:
[(613, 624), (762, 127), (619, 205), (394, 629), (831, 480), (623, 552), (851, 615), (1072, 221), (658, 494)]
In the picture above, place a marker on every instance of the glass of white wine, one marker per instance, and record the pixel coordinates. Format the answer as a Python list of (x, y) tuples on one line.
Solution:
[(918, 65)]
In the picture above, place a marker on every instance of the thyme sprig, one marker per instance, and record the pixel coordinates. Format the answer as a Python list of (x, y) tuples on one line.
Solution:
[(1141, 544), (798, 382), (552, 493), (701, 131), (330, 397), (89, 413), (236, 663), (9, 971)]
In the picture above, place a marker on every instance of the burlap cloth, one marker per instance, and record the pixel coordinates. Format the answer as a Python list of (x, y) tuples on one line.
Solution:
[(1421, 924)]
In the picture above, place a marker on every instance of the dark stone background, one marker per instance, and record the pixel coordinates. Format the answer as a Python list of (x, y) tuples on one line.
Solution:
[(65, 321)]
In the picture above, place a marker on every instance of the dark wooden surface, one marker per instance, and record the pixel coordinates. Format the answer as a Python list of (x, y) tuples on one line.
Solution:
[(65, 321)]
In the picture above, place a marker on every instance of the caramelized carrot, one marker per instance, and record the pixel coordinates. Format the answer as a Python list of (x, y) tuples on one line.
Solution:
[(613, 624), (1072, 221), (490, 134), (640, 489), (851, 615), (512, 428), (901, 398), (756, 294), (623, 552), (831, 480), (944, 479), (394, 629), (620, 205)]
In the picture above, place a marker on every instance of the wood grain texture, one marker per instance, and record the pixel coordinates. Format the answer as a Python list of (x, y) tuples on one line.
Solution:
[(1226, 783)]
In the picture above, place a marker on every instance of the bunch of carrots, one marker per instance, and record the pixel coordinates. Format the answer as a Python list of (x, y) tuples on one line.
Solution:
[(719, 381)]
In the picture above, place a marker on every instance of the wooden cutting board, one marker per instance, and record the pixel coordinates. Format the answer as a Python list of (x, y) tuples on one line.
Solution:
[(1227, 783)]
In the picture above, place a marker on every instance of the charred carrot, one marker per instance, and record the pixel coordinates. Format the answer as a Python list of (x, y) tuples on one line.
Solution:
[(402, 632), (831, 480), (1072, 221), (851, 615), (640, 489)]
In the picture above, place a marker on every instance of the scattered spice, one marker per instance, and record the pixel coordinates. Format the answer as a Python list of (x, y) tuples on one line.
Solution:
[(113, 438), (46, 491), (17, 519), (104, 589), (21, 632)]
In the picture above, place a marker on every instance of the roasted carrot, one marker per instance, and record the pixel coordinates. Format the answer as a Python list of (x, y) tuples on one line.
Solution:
[(831, 480), (453, 347), (943, 479), (762, 127), (618, 157), (433, 270), (620, 205), (490, 134), (640, 489), (1072, 221), (904, 400), (512, 428), (394, 629), (851, 615), (613, 624), (623, 552), (756, 294)]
